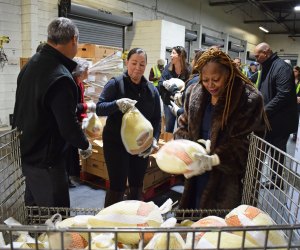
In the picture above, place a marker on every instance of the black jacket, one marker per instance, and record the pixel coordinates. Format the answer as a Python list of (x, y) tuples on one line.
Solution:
[(147, 104), (44, 112), (277, 86)]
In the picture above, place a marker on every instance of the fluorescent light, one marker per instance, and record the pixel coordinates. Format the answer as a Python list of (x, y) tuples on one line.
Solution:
[(297, 8), (263, 29)]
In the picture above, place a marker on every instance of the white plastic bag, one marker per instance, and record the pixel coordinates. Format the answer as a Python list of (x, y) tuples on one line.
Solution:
[(93, 127)]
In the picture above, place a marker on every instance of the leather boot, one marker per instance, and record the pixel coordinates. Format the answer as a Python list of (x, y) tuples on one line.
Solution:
[(135, 193), (113, 197)]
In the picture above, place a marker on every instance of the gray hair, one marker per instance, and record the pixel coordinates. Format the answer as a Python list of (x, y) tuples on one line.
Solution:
[(82, 65), (62, 30)]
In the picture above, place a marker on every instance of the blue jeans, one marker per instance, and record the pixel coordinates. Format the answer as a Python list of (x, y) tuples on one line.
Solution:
[(170, 119)]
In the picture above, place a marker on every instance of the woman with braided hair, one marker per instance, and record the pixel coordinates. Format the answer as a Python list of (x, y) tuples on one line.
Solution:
[(222, 109)]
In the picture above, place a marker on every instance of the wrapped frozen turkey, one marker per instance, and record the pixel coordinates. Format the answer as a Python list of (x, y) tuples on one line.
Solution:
[(211, 240), (129, 213), (209, 221), (246, 215), (160, 240), (93, 127), (136, 132), (175, 156)]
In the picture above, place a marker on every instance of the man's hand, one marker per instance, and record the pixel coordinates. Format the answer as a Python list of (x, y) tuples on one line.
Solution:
[(91, 107), (174, 108), (203, 164), (149, 151), (87, 152), (125, 104), (84, 123)]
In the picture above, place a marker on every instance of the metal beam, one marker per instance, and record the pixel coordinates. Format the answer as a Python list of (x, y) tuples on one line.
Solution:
[(270, 21), (269, 13), (230, 2), (274, 1)]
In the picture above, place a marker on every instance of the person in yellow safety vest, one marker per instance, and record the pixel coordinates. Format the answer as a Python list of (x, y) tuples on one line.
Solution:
[(255, 78), (238, 64), (155, 72), (258, 78)]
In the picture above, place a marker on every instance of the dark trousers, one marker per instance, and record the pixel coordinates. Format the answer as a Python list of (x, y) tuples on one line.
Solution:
[(46, 187), (73, 166), (122, 165), (170, 119), (277, 159)]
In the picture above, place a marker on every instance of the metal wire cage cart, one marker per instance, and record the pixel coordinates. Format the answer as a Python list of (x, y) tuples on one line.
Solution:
[(271, 183)]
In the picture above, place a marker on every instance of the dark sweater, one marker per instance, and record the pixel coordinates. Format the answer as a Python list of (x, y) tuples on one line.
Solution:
[(148, 105), (44, 112)]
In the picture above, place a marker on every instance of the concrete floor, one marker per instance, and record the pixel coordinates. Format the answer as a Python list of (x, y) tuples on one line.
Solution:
[(88, 196)]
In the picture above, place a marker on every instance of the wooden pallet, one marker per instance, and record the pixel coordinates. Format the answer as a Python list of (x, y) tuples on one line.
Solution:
[(94, 180), (161, 187)]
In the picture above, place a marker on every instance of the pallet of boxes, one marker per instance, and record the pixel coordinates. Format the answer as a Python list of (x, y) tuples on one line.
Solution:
[(155, 180)]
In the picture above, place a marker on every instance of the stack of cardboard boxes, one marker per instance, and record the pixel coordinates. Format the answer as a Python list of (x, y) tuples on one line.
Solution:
[(96, 165), (94, 52)]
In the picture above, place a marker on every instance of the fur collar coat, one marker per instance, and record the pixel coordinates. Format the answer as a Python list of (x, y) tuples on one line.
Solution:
[(246, 115)]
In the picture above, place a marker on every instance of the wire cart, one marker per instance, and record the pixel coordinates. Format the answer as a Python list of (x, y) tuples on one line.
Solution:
[(279, 198)]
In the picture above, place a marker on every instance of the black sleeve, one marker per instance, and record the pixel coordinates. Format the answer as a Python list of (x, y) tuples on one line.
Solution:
[(156, 120), (62, 101), (151, 75)]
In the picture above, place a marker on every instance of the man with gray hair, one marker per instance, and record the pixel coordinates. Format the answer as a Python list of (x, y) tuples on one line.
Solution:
[(44, 113)]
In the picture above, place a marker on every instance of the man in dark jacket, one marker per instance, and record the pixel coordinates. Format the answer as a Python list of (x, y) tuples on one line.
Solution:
[(278, 89), (44, 113)]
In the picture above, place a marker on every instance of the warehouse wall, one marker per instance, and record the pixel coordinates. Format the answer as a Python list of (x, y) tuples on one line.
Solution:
[(25, 22), (284, 45)]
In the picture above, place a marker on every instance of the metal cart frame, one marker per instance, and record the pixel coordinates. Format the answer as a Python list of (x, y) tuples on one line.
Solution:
[(281, 202)]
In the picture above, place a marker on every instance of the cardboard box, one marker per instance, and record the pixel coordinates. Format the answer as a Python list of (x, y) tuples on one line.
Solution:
[(95, 52), (97, 168), (154, 176), (97, 154)]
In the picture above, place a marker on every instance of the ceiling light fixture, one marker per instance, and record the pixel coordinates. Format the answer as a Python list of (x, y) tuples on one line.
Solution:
[(263, 29), (297, 8)]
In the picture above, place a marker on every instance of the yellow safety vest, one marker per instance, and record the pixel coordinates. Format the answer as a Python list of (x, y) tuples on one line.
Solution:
[(157, 74), (297, 87), (258, 78)]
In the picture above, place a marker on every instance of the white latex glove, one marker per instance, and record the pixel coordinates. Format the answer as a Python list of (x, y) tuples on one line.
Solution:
[(168, 84), (174, 108), (84, 123), (178, 99), (125, 104), (206, 144), (91, 107), (149, 151), (87, 152), (204, 163)]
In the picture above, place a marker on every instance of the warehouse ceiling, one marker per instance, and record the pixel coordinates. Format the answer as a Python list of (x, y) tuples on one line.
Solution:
[(277, 16)]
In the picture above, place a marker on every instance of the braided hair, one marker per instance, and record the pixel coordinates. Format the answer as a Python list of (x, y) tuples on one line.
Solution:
[(217, 56)]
